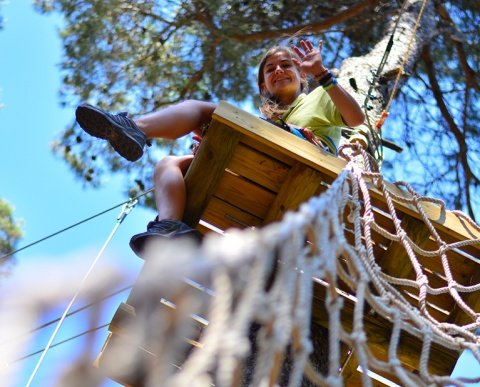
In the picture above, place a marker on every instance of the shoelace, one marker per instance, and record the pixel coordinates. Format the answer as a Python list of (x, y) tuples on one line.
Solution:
[(125, 120)]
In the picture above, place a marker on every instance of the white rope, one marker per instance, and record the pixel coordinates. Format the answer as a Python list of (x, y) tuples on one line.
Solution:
[(125, 211), (331, 239)]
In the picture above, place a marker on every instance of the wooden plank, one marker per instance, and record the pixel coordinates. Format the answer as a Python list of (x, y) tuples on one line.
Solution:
[(264, 148), (395, 261), (124, 321), (349, 367), (310, 155), (458, 316), (258, 167), (223, 215), (252, 149), (244, 194), (136, 297), (352, 377), (442, 219), (147, 291), (132, 373), (280, 140), (357, 380), (470, 252), (378, 331), (460, 267), (438, 306), (206, 228), (301, 184), (207, 168)]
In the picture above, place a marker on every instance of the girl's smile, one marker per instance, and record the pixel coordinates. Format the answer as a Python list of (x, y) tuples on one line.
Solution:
[(282, 78)]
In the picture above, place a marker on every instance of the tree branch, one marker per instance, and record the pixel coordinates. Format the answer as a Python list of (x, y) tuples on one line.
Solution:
[(311, 27), (197, 76), (454, 129), (200, 15), (470, 74)]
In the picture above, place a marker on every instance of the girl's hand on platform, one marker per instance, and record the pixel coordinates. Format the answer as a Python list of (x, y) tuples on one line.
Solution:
[(311, 62), (308, 134), (196, 144)]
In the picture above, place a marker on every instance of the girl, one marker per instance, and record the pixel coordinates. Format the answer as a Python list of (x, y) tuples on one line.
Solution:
[(282, 82)]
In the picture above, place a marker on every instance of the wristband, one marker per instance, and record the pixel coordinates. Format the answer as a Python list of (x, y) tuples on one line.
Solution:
[(330, 84), (319, 76), (325, 79)]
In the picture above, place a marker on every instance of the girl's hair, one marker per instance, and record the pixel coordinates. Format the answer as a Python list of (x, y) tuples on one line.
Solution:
[(270, 106)]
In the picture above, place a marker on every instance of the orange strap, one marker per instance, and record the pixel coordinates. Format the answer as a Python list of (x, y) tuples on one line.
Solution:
[(382, 119)]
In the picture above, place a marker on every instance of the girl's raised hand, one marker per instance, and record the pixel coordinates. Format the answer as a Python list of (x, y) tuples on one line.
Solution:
[(310, 58)]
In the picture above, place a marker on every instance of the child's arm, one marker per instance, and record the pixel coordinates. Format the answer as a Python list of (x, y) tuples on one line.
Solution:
[(312, 64), (350, 110)]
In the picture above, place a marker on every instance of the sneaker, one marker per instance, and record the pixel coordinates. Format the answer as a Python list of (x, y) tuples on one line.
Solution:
[(120, 131), (165, 228)]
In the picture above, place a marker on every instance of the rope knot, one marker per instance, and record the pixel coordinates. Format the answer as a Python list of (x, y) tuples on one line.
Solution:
[(443, 248), (422, 280), (452, 285), (378, 181), (334, 380), (395, 362), (359, 337)]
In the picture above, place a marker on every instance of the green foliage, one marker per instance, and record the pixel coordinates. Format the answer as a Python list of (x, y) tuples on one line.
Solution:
[(142, 55), (10, 231), (443, 151), (10, 234)]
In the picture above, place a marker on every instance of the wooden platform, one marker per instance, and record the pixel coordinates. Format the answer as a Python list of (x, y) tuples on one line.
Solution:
[(248, 173)]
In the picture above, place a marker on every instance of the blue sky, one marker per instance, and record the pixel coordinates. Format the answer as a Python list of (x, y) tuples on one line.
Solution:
[(45, 193)]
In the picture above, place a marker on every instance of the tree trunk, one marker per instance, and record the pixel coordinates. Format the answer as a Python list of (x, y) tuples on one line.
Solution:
[(402, 57), (362, 69)]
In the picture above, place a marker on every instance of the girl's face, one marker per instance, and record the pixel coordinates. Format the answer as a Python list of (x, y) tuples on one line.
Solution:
[(281, 78)]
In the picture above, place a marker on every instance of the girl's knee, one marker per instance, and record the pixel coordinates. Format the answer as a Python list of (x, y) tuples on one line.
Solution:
[(172, 164), (202, 108), (165, 164)]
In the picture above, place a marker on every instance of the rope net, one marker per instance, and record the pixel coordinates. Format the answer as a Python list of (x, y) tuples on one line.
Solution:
[(250, 322), (345, 283)]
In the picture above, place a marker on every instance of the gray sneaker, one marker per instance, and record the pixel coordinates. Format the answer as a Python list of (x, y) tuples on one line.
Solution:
[(164, 228), (120, 131)]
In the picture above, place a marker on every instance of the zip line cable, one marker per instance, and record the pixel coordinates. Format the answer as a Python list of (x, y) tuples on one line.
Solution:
[(76, 224), (76, 311), (187, 281), (127, 207), (62, 342)]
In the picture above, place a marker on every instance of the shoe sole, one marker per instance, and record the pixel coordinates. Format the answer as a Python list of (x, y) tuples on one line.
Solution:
[(98, 124), (138, 241)]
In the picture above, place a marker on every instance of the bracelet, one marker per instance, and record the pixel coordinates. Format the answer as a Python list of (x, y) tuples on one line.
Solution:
[(320, 75), (330, 84), (325, 79)]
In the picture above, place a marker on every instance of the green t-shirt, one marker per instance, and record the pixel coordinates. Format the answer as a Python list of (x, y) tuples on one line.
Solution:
[(317, 112)]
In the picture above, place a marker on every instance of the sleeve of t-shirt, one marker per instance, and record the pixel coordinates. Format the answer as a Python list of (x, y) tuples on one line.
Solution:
[(329, 109)]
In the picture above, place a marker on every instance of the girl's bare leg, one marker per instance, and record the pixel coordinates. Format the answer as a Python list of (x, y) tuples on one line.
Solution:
[(177, 120), (170, 190)]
